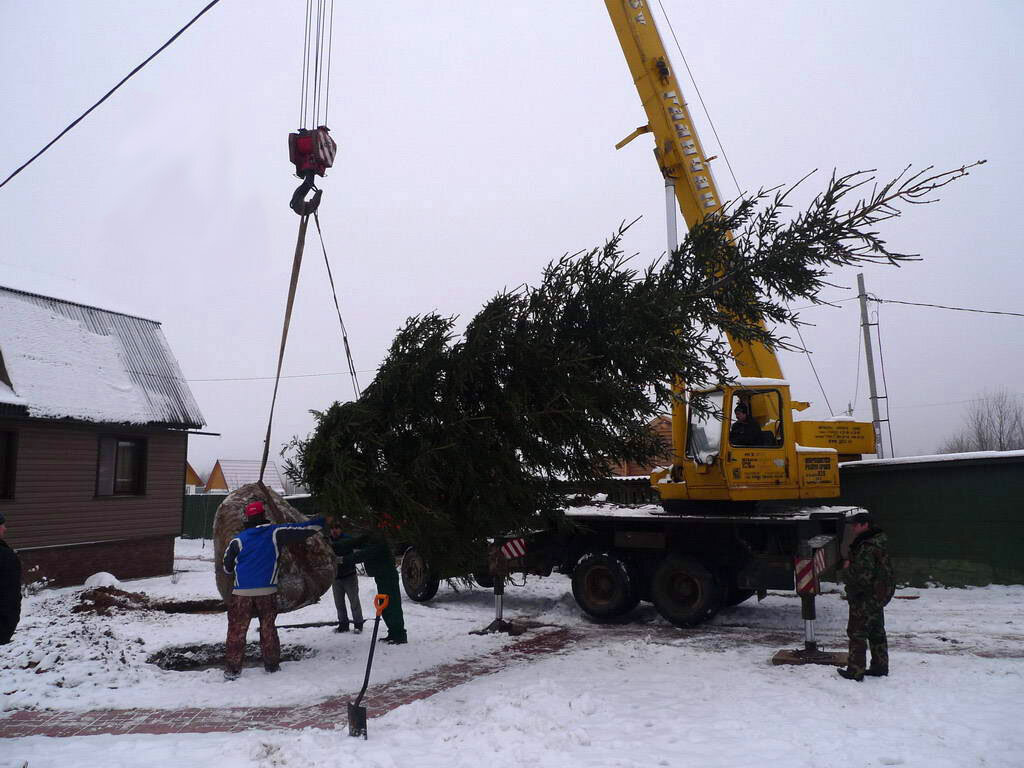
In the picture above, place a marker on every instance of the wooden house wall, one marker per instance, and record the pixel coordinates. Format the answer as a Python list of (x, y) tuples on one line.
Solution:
[(55, 503)]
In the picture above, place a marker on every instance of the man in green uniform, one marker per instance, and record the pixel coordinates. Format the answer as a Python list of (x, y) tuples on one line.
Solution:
[(372, 549), (870, 584)]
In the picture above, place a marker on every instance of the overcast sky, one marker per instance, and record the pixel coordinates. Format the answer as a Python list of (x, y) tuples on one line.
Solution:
[(476, 143)]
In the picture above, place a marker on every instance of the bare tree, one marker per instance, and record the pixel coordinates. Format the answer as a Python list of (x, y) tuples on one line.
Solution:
[(994, 422)]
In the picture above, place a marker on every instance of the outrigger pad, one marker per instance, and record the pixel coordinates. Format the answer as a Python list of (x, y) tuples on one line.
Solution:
[(804, 656)]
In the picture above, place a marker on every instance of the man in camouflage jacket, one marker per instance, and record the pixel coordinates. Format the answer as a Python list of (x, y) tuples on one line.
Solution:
[(870, 584)]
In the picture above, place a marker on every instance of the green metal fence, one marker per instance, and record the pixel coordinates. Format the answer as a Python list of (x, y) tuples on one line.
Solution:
[(200, 509), (951, 522)]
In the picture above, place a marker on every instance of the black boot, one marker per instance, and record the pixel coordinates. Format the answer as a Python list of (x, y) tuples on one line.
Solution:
[(341, 628), (394, 640), (851, 674), (877, 672)]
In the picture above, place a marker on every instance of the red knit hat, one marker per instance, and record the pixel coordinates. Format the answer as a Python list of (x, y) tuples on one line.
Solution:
[(254, 509)]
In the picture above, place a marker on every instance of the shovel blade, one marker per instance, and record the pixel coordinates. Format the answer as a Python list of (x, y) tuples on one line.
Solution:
[(356, 721)]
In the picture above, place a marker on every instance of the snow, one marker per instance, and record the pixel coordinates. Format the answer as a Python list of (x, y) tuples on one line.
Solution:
[(813, 449), (637, 694), (102, 579), (937, 457), (651, 511), (754, 381), (60, 369), (7, 395)]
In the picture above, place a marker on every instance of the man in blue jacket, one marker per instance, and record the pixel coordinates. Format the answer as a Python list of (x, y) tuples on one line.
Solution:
[(252, 557)]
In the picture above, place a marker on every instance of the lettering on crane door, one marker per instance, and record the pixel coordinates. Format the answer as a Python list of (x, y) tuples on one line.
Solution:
[(759, 466)]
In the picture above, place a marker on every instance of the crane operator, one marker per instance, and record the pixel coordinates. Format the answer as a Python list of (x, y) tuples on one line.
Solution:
[(745, 430)]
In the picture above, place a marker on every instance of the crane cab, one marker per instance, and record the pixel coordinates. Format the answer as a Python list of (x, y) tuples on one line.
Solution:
[(743, 445)]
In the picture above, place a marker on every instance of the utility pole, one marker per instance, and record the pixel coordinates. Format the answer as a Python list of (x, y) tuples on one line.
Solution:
[(876, 421)]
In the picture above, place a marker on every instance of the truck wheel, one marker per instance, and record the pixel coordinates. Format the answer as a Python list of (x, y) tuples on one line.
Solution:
[(484, 579), (417, 580), (604, 586), (683, 591)]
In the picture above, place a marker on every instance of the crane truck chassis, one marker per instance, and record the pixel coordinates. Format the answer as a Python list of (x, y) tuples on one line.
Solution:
[(688, 565)]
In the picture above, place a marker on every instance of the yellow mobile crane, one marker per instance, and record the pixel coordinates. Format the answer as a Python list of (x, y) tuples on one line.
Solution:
[(774, 457)]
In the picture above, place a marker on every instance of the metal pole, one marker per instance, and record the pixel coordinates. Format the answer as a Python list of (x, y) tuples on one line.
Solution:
[(869, 355), (499, 598), (670, 214), (809, 615)]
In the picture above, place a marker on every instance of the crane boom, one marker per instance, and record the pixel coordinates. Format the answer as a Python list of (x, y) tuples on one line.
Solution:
[(678, 149), (781, 458)]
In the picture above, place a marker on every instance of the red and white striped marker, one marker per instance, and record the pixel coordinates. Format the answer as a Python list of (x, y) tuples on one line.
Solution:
[(808, 570), (819, 562), (513, 548), (806, 582)]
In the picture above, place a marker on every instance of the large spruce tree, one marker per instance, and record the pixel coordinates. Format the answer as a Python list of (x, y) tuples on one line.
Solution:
[(458, 436)]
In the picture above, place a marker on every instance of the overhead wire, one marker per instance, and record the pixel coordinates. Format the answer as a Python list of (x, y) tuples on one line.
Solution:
[(305, 68), (942, 306), (330, 50), (885, 384), (107, 95), (856, 388), (316, 66)]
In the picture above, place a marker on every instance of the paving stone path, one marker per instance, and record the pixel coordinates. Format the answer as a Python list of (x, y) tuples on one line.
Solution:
[(379, 700)]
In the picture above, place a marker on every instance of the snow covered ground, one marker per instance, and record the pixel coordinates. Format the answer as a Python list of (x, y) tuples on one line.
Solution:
[(640, 694)]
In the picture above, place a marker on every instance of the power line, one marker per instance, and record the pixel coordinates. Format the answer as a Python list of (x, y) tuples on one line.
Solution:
[(110, 92), (941, 306), (292, 376), (885, 384), (947, 402)]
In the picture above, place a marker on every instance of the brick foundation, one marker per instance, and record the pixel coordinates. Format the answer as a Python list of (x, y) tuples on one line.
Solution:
[(126, 559)]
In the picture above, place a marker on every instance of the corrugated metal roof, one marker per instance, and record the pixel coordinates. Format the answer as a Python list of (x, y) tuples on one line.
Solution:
[(238, 472), (141, 348)]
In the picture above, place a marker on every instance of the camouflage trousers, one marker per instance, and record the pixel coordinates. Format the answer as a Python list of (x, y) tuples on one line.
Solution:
[(241, 609), (866, 628)]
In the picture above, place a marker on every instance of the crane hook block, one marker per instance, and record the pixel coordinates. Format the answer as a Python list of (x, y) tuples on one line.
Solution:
[(312, 152)]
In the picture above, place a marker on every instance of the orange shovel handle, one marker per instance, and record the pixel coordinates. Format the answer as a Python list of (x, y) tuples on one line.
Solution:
[(380, 602)]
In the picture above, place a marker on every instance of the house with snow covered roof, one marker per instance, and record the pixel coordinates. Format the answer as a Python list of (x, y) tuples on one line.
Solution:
[(229, 474), (94, 421)]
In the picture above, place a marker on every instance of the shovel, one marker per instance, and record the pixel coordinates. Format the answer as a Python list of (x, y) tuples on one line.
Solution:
[(356, 713)]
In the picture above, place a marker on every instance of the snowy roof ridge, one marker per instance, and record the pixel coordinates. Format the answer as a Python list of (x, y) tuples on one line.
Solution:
[(35, 295), (66, 360)]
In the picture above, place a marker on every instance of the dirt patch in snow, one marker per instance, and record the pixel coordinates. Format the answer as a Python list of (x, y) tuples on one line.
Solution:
[(102, 600), (188, 658)]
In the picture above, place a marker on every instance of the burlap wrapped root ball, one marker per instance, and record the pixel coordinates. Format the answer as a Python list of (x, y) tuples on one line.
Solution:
[(305, 569)]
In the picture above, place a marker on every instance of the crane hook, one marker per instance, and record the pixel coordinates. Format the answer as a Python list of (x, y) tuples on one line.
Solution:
[(298, 203)]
